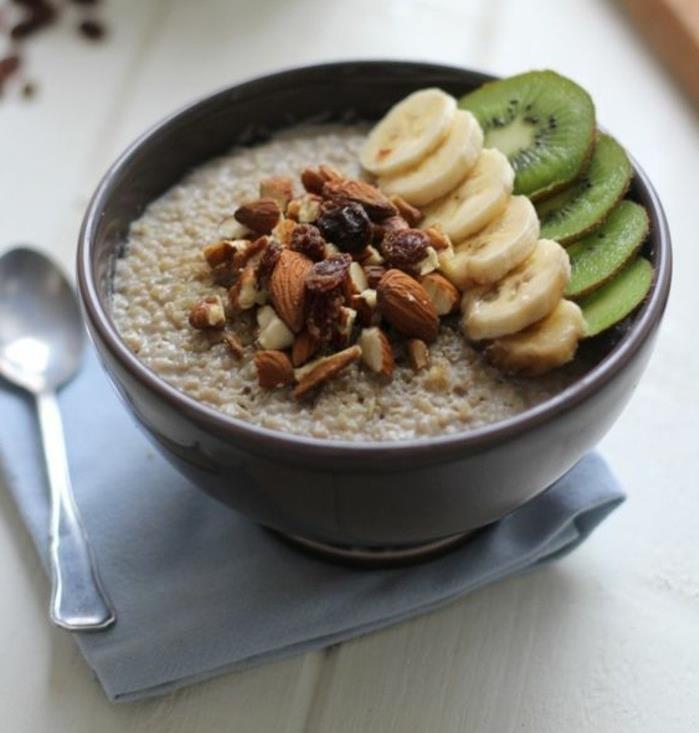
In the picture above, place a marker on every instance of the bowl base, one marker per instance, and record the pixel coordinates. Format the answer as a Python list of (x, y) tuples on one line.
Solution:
[(377, 557)]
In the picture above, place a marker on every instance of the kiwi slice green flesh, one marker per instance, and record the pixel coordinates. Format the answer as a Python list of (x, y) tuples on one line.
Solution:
[(580, 208), (596, 258), (543, 122), (611, 303)]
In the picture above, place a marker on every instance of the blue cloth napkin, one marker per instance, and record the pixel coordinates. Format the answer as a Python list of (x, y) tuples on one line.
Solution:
[(199, 590)]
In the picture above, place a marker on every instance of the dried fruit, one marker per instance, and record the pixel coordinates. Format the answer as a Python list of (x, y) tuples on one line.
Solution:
[(324, 314), (444, 295), (261, 215), (267, 263), (208, 313), (273, 369), (374, 273), (316, 373), (418, 354), (371, 199), (279, 189), (376, 351), (412, 215), (405, 249), (404, 303), (307, 239), (393, 224), (304, 347), (287, 287), (328, 275), (345, 225)]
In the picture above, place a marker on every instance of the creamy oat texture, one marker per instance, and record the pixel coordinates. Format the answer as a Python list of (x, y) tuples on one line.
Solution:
[(162, 274)]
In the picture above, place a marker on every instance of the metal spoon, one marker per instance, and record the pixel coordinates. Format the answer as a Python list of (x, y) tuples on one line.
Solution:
[(41, 345)]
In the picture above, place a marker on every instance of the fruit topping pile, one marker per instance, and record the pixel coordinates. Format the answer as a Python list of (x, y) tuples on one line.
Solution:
[(507, 207)]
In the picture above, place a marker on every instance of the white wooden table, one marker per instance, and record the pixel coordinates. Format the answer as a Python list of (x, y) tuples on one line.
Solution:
[(607, 640)]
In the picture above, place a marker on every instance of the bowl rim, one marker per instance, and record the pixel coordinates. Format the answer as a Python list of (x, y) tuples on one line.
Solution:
[(647, 318)]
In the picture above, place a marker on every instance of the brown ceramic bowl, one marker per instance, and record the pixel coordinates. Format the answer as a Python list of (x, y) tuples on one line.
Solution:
[(378, 494)]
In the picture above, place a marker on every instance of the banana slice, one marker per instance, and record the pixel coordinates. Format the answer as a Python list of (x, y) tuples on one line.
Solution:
[(548, 344), (477, 201), (489, 255), (408, 132), (443, 169), (526, 295)]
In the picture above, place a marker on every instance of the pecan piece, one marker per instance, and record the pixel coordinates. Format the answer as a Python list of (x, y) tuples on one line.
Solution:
[(404, 249), (273, 369), (261, 215), (223, 251), (208, 313)]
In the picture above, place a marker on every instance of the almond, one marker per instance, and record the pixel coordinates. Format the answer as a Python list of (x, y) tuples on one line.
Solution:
[(208, 313), (273, 369), (279, 189), (313, 179), (370, 256), (376, 351), (345, 324), (287, 288), (305, 346), (418, 354), (412, 215), (357, 278), (374, 202), (445, 297), (223, 251), (405, 304), (261, 215), (438, 239), (313, 375)]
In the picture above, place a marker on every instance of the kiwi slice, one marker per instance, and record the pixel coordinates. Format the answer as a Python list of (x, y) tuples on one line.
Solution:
[(543, 122), (579, 209), (596, 258), (611, 303)]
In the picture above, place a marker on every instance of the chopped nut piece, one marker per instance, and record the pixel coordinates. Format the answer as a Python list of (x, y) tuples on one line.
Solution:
[(283, 231), (208, 313), (230, 228), (261, 215), (265, 315), (314, 178), (365, 305), (430, 263), (250, 251), (412, 215), (371, 199), (438, 239), (273, 369), (325, 369), (404, 303), (234, 345), (275, 334), (287, 287), (308, 240), (246, 291), (374, 273), (305, 346), (444, 296), (279, 189), (345, 324), (224, 251), (376, 351), (418, 354), (306, 209), (405, 249), (357, 278), (370, 256)]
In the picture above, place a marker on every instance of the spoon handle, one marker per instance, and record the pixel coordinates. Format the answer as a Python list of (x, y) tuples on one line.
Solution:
[(78, 601)]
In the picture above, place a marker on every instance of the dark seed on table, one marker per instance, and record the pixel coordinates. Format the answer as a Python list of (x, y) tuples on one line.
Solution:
[(92, 30)]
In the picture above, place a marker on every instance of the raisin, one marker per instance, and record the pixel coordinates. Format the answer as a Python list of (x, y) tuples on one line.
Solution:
[(268, 261), (329, 275), (307, 239), (392, 224), (324, 311), (404, 248), (345, 225)]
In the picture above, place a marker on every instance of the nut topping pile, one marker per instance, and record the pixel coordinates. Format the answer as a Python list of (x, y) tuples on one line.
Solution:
[(335, 276)]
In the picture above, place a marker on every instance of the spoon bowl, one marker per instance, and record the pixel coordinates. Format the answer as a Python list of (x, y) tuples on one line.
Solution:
[(41, 332)]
